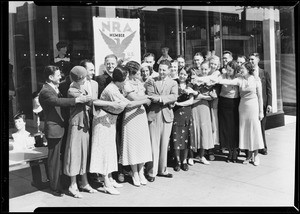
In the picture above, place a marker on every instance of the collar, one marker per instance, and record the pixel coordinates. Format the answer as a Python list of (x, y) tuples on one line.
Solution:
[(53, 86)]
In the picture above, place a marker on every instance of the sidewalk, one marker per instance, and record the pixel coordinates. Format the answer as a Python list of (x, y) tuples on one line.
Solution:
[(217, 184)]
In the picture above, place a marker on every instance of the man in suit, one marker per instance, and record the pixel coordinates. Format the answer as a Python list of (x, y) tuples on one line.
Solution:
[(163, 92), (150, 59), (51, 101), (265, 78)]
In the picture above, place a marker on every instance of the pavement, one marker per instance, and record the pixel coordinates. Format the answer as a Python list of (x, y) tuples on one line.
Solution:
[(219, 184)]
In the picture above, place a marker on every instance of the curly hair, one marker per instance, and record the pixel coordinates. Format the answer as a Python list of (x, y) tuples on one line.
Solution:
[(249, 67)]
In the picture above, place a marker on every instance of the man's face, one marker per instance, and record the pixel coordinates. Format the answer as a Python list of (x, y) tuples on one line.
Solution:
[(226, 58), (55, 78), (240, 60), (149, 60), (90, 70), (254, 60), (20, 124), (181, 63), (163, 71), (205, 69), (110, 64), (164, 51), (198, 60)]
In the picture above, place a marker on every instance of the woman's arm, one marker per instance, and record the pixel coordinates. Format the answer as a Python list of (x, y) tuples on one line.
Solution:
[(260, 99), (133, 96), (106, 103), (223, 81), (188, 102), (137, 103)]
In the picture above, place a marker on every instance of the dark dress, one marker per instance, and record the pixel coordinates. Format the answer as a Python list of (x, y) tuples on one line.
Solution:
[(182, 129)]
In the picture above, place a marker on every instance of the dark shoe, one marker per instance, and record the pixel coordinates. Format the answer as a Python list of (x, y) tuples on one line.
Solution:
[(185, 167), (263, 151), (169, 175), (150, 178), (177, 167), (57, 193)]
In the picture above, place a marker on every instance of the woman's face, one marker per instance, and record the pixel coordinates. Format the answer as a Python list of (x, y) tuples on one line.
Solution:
[(82, 81), (205, 69), (183, 76), (214, 64), (145, 72), (137, 75), (229, 70), (174, 69), (244, 71)]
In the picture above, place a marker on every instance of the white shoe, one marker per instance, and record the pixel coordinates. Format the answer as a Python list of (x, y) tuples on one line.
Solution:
[(111, 190), (256, 161), (143, 180), (204, 161), (115, 184), (190, 162)]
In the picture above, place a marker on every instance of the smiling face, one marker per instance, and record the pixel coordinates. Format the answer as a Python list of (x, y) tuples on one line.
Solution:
[(226, 58), (110, 64), (163, 71), (244, 71), (174, 69), (149, 60), (183, 75), (145, 72), (198, 60), (240, 60), (181, 63), (214, 64), (20, 124), (205, 69), (254, 60)]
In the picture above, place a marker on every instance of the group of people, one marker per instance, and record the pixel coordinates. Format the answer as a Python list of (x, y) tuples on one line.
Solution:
[(132, 115)]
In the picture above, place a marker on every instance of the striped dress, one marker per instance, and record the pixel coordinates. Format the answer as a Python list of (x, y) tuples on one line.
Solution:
[(136, 144)]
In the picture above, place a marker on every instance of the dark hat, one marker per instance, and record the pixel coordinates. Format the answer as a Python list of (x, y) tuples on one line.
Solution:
[(78, 73)]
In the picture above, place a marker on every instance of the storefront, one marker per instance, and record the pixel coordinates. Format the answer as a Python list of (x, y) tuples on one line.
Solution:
[(35, 30)]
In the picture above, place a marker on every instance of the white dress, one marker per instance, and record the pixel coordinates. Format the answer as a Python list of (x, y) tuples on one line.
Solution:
[(103, 150), (136, 144)]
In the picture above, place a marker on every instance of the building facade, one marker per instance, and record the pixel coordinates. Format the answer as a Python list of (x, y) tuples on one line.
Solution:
[(35, 30)]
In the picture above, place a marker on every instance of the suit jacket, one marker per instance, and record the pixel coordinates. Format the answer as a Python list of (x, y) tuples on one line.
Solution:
[(102, 80), (51, 103), (78, 113), (266, 87), (168, 93), (95, 95)]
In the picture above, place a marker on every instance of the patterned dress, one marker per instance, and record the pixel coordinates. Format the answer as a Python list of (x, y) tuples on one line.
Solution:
[(182, 130), (136, 144), (104, 151)]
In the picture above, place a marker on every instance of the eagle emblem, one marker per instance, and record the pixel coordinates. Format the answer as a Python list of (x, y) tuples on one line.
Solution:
[(115, 46)]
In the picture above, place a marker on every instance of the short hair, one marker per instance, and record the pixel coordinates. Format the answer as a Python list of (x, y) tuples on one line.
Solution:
[(20, 115), (149, 54), (242, 56), (61, 44), (165, 62), (227, 52), (249, 67), (255, 54), (214, 57), (198, 54), (110, 56), (133, 67), (49, 70), (84, 62), (180, 56), (234, 65), (119, 74)]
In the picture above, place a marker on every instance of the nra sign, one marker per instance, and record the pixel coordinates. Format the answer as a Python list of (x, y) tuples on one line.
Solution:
[(116, 36)]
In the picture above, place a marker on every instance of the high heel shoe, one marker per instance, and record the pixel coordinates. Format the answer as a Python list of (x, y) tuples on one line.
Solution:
[(115, 184), (111, 190), (87, 188), (135, 182), (256, 161), (75, 193), (143, 180)]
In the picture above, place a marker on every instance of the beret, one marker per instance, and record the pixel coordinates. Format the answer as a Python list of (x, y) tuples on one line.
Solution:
[(78, 73)]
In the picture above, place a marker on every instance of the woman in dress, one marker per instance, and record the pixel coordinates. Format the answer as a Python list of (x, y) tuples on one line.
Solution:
[(228, 113), (104, 152), (136, 144), (77, 145), (250, 111), (202, 114), (182, 129)]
